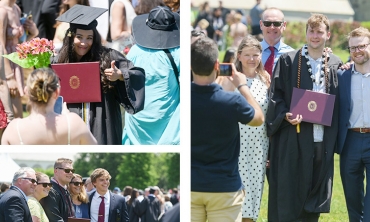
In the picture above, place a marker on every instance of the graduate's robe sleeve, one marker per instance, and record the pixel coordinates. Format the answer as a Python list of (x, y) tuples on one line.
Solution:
[(130, 93)]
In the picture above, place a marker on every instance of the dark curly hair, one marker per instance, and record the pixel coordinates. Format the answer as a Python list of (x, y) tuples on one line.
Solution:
[(97, 52)]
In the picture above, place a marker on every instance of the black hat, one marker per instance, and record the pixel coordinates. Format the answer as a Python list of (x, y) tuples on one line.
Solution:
[(82, 17), (160, 29)]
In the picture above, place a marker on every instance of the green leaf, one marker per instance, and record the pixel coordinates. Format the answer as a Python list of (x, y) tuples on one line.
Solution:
[(38, 61)]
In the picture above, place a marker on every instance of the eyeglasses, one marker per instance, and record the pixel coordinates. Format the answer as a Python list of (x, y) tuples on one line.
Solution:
[(45, 184), (276, 23), (77, 184), (66, 170), (359, 47), (30, 179), (196, 33)]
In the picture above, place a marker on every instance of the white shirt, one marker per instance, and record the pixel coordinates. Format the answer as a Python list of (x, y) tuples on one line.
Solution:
[(318, 130), (95, 203), (103, 20)]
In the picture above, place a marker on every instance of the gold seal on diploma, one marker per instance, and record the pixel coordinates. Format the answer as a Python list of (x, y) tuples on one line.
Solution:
[(312, 106), (74, 82)]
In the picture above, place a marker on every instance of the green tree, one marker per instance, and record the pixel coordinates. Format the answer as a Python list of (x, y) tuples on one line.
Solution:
[(135, 170), (173, 170), (138, 170)]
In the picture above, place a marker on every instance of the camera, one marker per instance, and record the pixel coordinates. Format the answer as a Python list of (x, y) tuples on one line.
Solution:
[(225, 69)]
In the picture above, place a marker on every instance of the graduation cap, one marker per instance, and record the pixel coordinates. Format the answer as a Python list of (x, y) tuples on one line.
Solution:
[(82, 17)]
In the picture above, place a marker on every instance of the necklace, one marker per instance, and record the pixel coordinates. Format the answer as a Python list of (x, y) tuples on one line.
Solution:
[(324, 69)]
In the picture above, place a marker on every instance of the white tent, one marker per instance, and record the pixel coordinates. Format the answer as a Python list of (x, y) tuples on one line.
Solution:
[(7, 168)]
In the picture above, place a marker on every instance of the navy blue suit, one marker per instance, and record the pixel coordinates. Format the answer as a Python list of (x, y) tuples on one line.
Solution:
[(117, 208), (13, 207), (354, 150)]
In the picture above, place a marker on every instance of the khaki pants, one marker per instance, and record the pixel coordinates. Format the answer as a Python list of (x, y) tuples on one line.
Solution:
[(217, 207)]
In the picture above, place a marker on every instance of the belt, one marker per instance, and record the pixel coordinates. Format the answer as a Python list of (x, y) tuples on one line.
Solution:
[(361, 130)]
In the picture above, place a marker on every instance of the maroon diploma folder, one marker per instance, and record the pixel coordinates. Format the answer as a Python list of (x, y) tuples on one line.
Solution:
[(78, 219), (80, 82), (314, 107)]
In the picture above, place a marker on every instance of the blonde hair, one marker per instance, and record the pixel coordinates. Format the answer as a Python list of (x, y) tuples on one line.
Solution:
[(316, 19), (359, 32), (41, 84), (82, 196), (99, 172), (250, 41)]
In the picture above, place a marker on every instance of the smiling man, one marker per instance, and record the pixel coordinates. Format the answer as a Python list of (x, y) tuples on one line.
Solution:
[(354, 126), (301, 163), (272, 25), (13, 203), (58, 204), (104, 205)]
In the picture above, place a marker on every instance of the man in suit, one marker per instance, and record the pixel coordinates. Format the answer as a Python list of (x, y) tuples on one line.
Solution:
[(104, 205), (58, 204), (354, 126), (174, 197), (43, 13), (13, 203)]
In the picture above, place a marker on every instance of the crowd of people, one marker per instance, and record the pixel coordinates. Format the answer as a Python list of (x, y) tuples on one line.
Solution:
[(243, 127), (33, 196), (140, 97)]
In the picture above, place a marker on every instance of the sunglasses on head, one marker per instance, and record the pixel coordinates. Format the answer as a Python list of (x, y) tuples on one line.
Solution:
[(45, 184), (268, 23), (77, 183), (66, 170), (196, 33), (30, 179)]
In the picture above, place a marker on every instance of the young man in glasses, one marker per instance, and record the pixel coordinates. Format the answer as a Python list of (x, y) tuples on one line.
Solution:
[(58, 204), (302, 157), (13, 203), (104, 205), (354, 126)]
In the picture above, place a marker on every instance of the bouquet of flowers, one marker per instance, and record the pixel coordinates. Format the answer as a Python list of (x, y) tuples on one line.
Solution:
[(34, 53)]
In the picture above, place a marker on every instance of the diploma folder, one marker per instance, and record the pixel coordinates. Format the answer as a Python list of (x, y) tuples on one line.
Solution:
[(314, 107), (80, 82), (78, 219)]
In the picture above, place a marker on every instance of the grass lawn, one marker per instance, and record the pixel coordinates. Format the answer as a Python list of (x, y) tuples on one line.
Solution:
[(338, 208)]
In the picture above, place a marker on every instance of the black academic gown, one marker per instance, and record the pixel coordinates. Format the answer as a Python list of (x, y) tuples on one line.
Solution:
[(105, 116), (291, 194)]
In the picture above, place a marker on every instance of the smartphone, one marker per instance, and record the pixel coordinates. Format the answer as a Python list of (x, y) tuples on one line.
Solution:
[(226, 69), (58, 106)]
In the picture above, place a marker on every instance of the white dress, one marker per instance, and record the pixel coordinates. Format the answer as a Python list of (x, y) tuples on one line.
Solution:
[(254, 145)]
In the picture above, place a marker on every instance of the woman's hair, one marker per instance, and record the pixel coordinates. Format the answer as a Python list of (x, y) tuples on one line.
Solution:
[(250, 41), (229, 56), (96, 53), (145, 6), (133, 196), (82, 196), (41, 84), (127, 190), (64, 7), (39, 175)]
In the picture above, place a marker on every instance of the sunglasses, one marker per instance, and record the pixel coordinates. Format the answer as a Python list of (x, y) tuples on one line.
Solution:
[(66, 170), (196, 33), (77, 183), (45, 184), (30, 179), (268, 23)]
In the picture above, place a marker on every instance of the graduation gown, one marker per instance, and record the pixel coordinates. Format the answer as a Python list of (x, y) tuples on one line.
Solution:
[(291, 194), (105, 116)]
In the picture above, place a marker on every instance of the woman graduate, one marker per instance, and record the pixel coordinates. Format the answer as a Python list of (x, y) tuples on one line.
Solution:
[(121, 83)]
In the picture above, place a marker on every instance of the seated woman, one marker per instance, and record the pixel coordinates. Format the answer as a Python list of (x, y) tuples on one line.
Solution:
[(79, 197), (41, 190), (43, 125)]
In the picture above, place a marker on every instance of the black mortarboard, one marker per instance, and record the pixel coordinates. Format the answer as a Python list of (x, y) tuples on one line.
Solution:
[(82, 17)]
